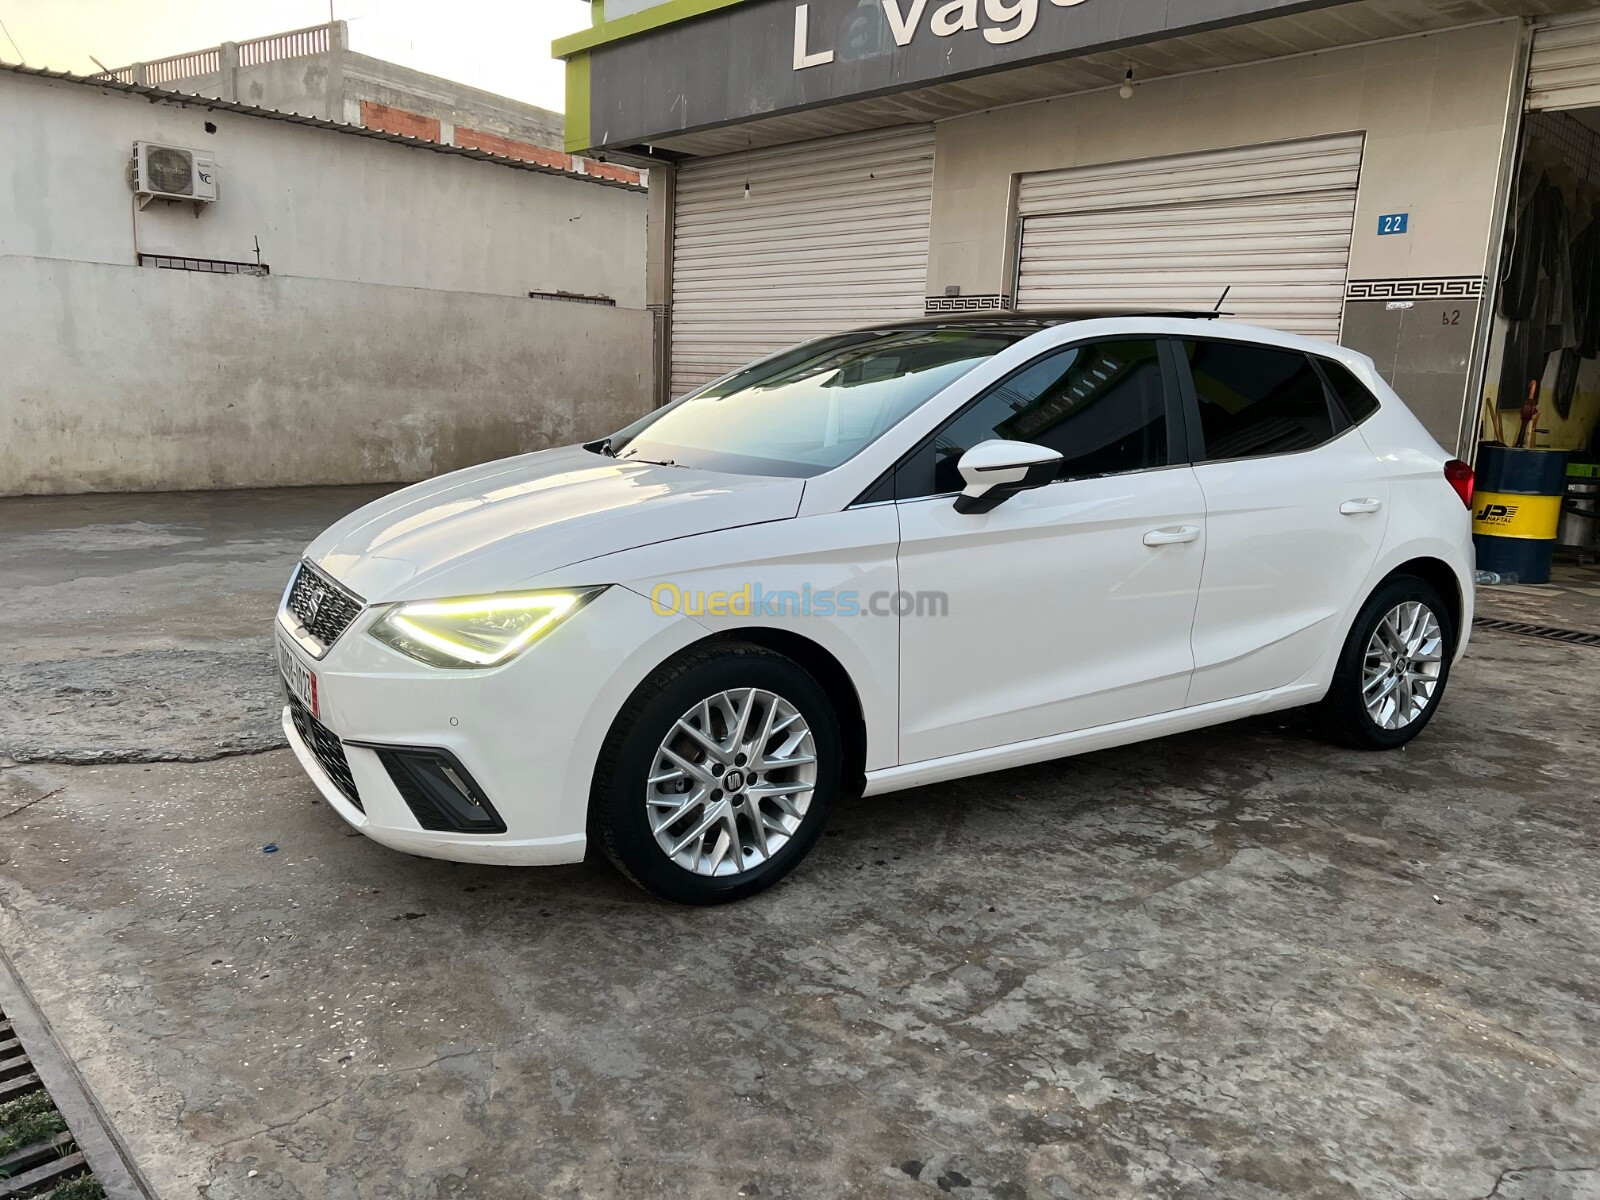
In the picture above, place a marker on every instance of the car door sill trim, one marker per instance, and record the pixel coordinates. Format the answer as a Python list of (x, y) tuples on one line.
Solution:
[(1083, 741)]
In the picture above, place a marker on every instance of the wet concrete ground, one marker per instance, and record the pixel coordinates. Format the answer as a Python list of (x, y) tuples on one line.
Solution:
[(1233, 963), (135, 623)]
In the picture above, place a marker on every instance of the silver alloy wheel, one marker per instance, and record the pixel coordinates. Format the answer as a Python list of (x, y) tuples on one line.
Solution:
[(1404, 660), (731, 782)]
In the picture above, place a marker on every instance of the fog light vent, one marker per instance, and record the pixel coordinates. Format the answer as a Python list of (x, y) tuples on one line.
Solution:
[(438, 790)]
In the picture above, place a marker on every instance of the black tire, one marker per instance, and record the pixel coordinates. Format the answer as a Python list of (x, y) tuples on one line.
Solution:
[(618, 815), (1342, 715)]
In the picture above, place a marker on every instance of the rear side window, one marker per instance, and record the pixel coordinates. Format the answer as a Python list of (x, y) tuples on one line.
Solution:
[(1102, 405), (1352, 394), (1256, 400)]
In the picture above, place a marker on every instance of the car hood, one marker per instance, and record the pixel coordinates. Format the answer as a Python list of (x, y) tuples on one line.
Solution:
[(494, 527)]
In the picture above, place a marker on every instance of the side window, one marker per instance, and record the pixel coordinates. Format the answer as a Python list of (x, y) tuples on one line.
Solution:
[(1257, 400), (1102, 405), (1352, 394)]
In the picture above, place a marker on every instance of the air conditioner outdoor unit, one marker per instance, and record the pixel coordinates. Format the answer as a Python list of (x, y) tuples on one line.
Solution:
[(172, 173)]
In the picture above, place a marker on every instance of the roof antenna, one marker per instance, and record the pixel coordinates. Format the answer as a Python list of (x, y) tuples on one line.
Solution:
[(1218, 307)]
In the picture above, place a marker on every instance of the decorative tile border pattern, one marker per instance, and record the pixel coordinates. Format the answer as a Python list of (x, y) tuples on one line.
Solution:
[(1433, 287), (965, 304)]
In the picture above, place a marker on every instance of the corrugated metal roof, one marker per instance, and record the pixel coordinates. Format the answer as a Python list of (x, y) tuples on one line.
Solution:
[(1301, 33), (212, 104)]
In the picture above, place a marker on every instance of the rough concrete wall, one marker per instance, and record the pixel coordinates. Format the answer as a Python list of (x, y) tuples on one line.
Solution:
[(332, 85), (317, 203), (127, 378), (297, 85), (373, 79)]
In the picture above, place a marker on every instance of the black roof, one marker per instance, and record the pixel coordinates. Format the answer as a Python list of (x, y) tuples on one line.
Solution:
[(1033, 320)]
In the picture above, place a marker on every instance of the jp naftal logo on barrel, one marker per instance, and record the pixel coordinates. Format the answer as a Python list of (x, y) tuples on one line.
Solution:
[(1001, 22), (1496, 514)]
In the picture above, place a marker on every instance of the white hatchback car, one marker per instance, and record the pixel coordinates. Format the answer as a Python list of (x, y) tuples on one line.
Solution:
[(899, 555)]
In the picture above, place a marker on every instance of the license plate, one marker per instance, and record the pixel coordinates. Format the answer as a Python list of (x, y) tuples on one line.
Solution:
[(298, 678)]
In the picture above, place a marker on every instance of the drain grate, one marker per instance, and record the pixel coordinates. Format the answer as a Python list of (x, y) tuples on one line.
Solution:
[(38, 1155), (1573, 637)]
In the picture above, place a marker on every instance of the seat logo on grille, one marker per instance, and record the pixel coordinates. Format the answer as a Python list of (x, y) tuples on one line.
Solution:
[(314, 603)]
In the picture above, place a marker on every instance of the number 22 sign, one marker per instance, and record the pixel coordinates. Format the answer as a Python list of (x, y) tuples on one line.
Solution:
[(1393, 223)]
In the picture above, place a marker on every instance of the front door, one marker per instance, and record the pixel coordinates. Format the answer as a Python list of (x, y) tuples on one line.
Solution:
[(1067, 606)]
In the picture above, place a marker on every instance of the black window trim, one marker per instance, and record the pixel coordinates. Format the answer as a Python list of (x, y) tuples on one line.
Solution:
[(1337, 417), (1317, 361), (1177, 421)]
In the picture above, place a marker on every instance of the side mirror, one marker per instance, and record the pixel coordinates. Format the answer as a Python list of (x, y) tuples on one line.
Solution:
[(996, 469)]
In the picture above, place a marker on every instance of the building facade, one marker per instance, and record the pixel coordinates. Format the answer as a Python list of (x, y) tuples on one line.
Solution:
[(1345, 169), (353, 306)]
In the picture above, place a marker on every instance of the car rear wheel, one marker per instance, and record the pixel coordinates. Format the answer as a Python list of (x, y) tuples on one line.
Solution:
[(1393, 668), (717, 775)]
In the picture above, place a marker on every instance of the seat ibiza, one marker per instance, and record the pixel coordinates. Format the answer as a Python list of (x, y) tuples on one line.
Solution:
[(900, 555)]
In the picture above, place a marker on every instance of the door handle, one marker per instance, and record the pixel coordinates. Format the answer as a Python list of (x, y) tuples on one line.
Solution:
[(1172, 535), (1351, 508)]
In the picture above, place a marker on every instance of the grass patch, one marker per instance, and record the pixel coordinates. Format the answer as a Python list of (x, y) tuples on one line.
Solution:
[(26, 1120), (84, 1187)]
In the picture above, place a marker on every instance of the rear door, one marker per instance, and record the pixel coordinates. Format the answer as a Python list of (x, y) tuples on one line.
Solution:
[(1296, 511)]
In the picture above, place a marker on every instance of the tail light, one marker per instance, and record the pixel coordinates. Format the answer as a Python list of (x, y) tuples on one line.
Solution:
[(1459, 476)]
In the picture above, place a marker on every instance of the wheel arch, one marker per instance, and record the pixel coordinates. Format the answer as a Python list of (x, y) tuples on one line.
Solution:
[(818, 662), (1439, 575)]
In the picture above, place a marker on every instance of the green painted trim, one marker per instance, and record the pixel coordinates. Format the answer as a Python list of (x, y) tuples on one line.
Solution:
[(605, 32), (577, 119), (598, 9)]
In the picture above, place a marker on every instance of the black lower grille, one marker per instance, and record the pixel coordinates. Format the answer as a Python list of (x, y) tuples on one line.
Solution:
[(439, 791), (1573, 637), (328, 749)]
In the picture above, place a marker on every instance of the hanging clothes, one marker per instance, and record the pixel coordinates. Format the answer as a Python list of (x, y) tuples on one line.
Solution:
[(1537, 295), (1566, 380), (1586, 285)]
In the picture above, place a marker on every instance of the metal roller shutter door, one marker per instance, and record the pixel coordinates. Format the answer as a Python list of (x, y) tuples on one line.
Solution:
[(1272, 223), (832, 234), (1565, 69)]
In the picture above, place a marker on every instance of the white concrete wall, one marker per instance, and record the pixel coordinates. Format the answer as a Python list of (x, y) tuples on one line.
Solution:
[(394, 336), (119, 378)]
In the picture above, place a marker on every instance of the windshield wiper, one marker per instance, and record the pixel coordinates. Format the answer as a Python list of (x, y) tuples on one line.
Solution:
[(655, 462)]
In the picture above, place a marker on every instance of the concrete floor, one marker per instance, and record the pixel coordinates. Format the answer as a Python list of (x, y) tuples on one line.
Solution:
[(1234, 963)]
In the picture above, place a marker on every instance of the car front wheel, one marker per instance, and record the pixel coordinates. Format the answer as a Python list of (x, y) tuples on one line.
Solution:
[(717, 775), (1393, 668)]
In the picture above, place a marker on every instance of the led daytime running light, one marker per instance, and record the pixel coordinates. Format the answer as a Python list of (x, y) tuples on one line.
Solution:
[(419, 623)]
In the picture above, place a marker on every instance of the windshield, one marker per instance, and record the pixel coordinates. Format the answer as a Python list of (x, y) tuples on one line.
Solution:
[(809, 410)]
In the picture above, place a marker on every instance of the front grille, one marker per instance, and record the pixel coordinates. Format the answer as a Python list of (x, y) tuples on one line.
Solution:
[(328, 749), (323, 607)]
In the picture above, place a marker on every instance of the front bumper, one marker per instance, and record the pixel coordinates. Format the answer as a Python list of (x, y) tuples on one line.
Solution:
[(529, 732), (384, 816)]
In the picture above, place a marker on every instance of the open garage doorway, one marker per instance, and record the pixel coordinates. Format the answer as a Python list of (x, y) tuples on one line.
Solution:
[(1541, 389)]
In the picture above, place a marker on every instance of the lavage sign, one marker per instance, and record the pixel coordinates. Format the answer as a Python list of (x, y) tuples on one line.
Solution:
[(1002, 22)]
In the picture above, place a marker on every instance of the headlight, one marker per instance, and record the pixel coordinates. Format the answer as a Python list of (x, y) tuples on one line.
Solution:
[(477, 631)]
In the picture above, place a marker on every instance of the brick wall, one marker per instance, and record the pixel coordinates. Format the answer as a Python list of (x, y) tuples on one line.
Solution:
[(608, 171), (494, 143), (398, 120)]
